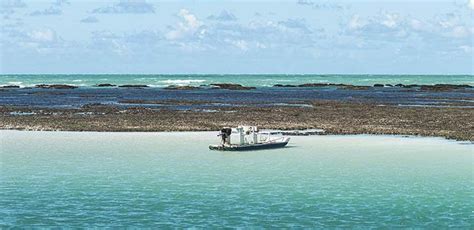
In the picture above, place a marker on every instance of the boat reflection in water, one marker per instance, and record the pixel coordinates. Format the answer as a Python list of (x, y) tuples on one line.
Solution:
[(248, 138)]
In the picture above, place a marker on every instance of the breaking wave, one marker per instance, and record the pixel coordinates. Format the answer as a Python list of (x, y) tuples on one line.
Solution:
[(182, 81)]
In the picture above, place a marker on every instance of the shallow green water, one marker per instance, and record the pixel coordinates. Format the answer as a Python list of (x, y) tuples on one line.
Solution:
[(172, 180), (258, 80)]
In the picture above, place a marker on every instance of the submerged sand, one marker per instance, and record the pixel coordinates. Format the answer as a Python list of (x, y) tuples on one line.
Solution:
[(172, 180)]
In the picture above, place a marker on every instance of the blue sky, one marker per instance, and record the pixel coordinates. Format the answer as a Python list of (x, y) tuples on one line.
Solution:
[(300, 36)]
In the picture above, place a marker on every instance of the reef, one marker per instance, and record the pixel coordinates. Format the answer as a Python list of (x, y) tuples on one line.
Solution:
[(56, 86), (133, 86), (181, 87), (332, 116), (231, 86), (435, 87), (106, 85)]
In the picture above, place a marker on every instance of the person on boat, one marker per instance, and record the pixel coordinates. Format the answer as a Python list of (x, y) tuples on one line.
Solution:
[(225, 136)]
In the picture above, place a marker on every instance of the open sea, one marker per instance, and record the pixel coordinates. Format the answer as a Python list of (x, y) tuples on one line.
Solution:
[(172, 180), (257, 80)]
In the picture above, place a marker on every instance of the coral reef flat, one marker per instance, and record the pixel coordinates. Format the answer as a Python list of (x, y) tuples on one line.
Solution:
[(334, 117), (416, 107)]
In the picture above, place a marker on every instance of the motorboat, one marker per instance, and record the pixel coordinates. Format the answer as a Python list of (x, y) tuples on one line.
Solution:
[(248, 138)]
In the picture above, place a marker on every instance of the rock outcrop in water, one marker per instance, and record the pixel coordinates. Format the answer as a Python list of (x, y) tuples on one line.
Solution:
[(231, 86), (355, 87), (56, 86), (106, 85), (444, 87), (316, 85), (309, 85), (9, 87), (181, 87), (410, 86), (281, 85), (133, 86), (436, 87)]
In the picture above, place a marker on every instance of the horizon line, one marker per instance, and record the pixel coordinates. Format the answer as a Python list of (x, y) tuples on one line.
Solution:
[(387, 74)]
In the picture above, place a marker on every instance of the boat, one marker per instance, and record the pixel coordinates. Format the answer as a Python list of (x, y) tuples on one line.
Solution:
[(248, 138)]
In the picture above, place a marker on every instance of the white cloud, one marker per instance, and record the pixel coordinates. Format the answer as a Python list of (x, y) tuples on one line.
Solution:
[(189, 25), (191, 21), (260, 45), (223, 16), (297, 24), (110, 42), (453, 25), (124, 44), (391, 20), (8, 7), (321, 4), (127, 7), (466, 49), (396, 28), (54, 9), (470, 4), (416, 24), (241, 44), (47, 11), (90, 19), (43, 35), (356, 22), (61, 2), (38, 40), (387, 20), (190, 34), (447, 23), (460, 31), (12, 4), (382, 23)]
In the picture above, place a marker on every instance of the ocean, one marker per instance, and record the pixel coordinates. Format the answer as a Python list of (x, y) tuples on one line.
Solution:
[(209, 98), (172, 180), (257, 80)]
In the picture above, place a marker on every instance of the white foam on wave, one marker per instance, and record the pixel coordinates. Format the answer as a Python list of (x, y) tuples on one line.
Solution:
[(18, 83), (182, 81)]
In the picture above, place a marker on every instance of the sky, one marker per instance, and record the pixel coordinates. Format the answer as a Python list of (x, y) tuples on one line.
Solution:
[(220, 37)]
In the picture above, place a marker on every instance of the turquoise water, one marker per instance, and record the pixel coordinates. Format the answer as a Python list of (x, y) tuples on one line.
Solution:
[(250, 80), (172, 180)]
